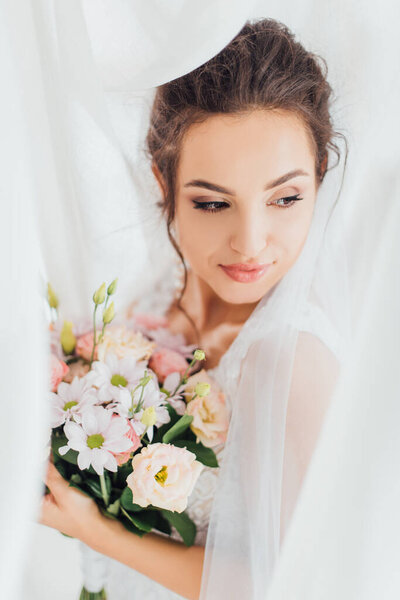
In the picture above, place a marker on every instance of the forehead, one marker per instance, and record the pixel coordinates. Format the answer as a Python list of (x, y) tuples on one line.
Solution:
[(245, 147)]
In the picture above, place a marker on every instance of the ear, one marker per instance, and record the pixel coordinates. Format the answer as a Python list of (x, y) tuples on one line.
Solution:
[(159, 178)]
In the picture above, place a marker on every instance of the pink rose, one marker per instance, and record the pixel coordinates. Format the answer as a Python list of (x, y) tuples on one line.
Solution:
[(165, 361), (123, 457), (210, 414), (163, 475), (76, 369), (150, 321), (84, 346), (58, 369)]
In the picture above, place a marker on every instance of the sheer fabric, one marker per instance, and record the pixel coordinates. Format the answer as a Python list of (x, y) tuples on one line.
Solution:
[(283, 486)]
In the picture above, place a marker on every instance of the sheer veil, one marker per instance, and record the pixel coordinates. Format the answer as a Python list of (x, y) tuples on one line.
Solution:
[(301, 385), (280, 373)]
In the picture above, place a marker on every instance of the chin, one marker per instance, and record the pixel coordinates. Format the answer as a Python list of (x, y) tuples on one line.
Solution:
[(241, 293)]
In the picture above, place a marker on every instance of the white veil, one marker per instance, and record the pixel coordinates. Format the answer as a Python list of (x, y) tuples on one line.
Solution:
[(94, 200), (280, 373)]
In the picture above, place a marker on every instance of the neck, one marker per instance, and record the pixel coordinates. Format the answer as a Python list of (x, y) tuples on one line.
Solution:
[(210, 309)]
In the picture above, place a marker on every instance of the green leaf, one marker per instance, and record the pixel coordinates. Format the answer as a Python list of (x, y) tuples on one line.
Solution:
[(160, 431), (94, 485), (61, 468), (162, 524), (183, 524), (176, 430), (203, 454), (76, 478), (107, 514), (56, 442), (114, 508), (137, 521), (127, 501), (131, 527)]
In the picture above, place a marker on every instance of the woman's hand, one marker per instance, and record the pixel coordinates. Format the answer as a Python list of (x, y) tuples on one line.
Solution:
[(67, 509)]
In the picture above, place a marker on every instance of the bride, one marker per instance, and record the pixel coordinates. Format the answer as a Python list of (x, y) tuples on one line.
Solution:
[(243, 149)]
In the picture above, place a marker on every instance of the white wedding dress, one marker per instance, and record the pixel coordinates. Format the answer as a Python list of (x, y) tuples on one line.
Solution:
[(124, 583)]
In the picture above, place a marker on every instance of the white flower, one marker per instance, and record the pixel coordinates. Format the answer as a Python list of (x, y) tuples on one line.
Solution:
[(71, 400), (100, 435), (164, 476), (135, 405), (175, 399), (114, 375)]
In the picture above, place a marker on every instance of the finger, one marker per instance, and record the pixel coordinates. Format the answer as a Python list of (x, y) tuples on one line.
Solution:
[(48, 512), (56, 482)]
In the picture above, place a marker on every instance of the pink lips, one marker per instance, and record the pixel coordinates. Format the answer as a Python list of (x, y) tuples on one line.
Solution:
[(245, 273)]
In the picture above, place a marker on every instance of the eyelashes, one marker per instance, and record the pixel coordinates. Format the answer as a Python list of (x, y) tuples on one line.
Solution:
[(215, 206)]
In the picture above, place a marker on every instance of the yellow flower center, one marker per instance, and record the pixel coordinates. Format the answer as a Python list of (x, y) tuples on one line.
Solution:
[(70, 404), (119, 380), (95, 441), (162, 475)]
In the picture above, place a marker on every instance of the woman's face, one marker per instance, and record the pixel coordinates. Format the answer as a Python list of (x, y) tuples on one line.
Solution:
[(246, 190)]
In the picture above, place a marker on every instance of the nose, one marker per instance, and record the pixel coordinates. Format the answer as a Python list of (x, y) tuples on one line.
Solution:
[(250, 235)]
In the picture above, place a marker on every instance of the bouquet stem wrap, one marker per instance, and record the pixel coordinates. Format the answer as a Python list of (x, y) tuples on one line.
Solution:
[(94, 569)]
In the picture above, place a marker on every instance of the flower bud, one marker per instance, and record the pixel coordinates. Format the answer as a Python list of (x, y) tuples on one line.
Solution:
[(199, 354), (202, 389), (100, 295), (109, 314), (145, 380), (67, 338), (149, 416), (51, 297), (112, 287)]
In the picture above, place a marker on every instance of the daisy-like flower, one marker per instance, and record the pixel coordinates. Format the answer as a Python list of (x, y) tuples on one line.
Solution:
[(97, 439), (145, 406), (175, 391), (114, 374), (72, 400)]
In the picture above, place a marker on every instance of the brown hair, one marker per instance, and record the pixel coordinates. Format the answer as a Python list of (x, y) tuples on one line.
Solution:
[(263, 67)]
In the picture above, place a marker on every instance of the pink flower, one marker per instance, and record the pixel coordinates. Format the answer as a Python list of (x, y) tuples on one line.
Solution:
[(150, 321), (165, 361), (123, 457), (76, 369), (58, 369), (84, 346), (210, 414), (163, 475)]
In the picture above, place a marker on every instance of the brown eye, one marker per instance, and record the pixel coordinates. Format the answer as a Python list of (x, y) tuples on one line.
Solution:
[(211, 206), (287, 200)]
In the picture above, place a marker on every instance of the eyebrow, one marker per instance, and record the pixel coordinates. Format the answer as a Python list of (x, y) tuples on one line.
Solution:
[(213, 187)]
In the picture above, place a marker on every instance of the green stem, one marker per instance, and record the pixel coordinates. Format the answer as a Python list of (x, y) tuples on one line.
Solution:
[(104, 492), (85, 595), (184, 376)]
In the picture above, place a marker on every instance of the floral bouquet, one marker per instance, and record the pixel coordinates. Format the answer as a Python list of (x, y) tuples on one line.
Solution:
[(132, 424)]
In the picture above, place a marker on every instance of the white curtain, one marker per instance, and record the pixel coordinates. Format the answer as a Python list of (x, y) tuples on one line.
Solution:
[(77, 83)]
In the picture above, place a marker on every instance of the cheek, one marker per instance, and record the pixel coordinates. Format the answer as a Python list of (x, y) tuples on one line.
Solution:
[(199, 237), (293, 235)]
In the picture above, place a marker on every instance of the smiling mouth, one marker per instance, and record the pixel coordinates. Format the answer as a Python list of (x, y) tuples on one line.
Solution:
[(245, 273)]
